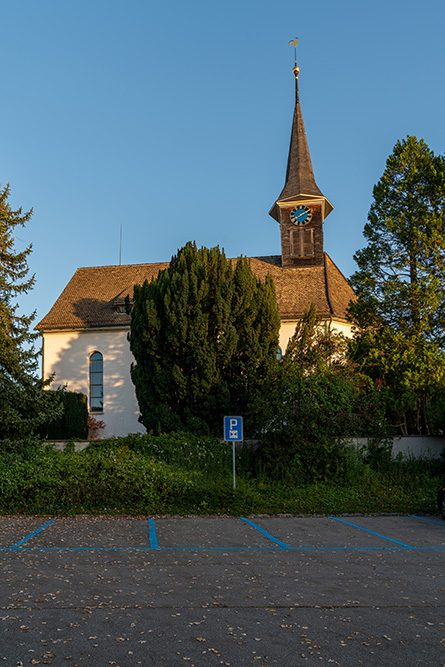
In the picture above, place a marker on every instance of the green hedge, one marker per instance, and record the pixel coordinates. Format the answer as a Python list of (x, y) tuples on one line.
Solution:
[(183, 474), (74, 421)]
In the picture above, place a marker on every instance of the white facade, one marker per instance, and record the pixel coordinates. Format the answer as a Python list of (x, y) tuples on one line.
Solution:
[(287, 330), (66, 355)]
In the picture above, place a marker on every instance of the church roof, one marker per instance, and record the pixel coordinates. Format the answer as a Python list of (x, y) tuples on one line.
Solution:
[(95, 295)]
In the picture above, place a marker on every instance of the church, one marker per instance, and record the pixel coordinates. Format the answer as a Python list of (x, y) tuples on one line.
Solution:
[(84, 334)]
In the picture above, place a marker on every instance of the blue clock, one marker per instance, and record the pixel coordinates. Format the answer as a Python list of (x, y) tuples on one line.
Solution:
[(300, 215)]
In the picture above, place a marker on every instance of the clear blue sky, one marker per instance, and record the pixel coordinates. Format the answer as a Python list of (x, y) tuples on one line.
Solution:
[(173, 119)]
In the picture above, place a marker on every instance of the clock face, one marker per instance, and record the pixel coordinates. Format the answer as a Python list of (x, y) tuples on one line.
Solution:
[(301, 215)]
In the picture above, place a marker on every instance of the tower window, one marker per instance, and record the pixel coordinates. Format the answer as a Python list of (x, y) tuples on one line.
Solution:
[(96, 382), (302, 243)]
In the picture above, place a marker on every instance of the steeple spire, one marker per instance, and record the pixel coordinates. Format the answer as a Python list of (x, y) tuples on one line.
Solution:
[(300, 181)]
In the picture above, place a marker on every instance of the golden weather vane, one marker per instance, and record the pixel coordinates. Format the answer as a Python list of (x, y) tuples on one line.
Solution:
[(296, 69)]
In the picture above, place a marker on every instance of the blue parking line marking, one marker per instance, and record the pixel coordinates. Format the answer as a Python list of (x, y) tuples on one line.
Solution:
[(153, 544), (21, 542), (288, 548), (406, 546), (423, 518), (152, 537), (281, 544)]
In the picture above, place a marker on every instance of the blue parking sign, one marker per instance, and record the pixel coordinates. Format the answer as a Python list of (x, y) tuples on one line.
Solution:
[(233, 429)]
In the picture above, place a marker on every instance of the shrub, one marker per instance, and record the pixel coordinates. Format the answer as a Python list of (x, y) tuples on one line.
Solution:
[(74, 421), (94, 425), (132, 476)]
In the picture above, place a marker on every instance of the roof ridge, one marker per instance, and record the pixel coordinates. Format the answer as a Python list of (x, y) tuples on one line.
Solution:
[(120, 266), (335, 266), (326, 282)]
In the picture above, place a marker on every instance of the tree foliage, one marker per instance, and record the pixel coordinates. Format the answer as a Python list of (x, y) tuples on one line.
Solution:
[(410, 373), (23, 403), (401, 273), (316, 403), (204, 335), (400, 284), (314, 346), (73, 423)]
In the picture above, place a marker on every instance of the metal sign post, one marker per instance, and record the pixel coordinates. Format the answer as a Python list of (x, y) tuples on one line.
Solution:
[(233, 432)]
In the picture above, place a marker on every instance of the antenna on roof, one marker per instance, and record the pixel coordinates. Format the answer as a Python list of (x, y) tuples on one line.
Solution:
[(120, 245)]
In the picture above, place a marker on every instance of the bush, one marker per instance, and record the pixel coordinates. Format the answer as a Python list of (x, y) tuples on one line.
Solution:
[(74, 421), (184, 474), (181, 451), (315, 403)]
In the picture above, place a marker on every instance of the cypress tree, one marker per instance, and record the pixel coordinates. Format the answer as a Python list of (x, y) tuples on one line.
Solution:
[(257, 322), (73, 423), (203, 335)]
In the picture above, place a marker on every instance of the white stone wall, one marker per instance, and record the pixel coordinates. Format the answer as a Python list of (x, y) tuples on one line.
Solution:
[(412, 446), (287, 330), (67, 356)]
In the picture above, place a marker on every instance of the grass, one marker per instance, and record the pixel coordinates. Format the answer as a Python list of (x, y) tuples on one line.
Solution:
[(182, 474)]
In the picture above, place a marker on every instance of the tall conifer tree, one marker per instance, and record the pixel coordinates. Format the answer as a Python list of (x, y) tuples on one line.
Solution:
[(400, 284), (401, 273), (204, 335), (23, 404)]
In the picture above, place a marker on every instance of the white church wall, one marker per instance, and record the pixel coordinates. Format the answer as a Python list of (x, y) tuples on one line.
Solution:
[(287, 330), (66, 354)]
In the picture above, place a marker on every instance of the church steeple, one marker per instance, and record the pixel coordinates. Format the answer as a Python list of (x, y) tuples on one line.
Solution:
[(300, 180), (301, 207)]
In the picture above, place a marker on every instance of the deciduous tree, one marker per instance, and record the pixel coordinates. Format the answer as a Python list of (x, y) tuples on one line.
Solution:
[(314, 406)]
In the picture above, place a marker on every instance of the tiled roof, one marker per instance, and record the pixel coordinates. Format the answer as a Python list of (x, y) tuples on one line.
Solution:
[(93, 296)]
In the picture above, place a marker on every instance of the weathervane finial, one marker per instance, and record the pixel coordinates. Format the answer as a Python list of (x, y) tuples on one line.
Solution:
[(296, 69)]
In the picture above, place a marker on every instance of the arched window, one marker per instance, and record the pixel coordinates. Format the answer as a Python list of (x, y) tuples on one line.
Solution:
[(96, 382)]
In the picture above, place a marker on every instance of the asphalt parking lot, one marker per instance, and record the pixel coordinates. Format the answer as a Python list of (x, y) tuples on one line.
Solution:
[(351, 590)]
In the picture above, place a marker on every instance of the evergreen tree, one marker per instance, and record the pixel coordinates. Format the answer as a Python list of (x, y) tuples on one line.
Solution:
[(204, 336), (401, 276), (255, 318), (23, 403), (400, 285)]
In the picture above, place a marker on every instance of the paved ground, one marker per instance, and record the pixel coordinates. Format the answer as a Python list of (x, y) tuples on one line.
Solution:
[(222, 591)]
